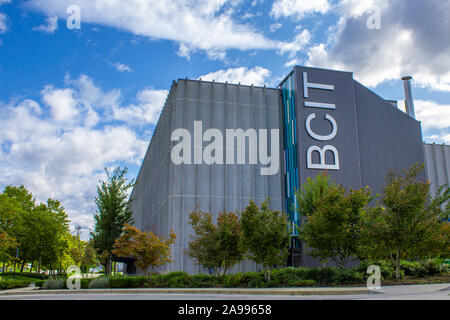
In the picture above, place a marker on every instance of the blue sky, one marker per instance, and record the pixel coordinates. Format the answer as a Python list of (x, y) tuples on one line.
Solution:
[(75, 101)]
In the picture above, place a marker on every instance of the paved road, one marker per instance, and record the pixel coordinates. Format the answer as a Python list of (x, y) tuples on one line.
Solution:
[(423, 292), (145, 296)]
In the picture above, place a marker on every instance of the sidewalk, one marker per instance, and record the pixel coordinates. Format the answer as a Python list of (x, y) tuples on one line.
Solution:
[(415, 289), (259, 291), (401, 289)]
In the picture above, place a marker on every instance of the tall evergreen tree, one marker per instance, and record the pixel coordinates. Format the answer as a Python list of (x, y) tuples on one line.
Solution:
[(112, 213)]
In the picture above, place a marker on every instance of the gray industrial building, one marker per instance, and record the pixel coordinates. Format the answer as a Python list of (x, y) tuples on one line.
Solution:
[(316, 120)]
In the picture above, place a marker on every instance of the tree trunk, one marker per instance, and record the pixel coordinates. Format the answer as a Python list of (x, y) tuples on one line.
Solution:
[(268, 274), (397, 266), (22, 266), (32, 264)]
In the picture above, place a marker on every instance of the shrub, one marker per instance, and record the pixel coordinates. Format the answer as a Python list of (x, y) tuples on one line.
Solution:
[(245, 280), (39, 283), (347, 276), (415, 269), (387, 268), (303, 283), (287, 276), (202, 280), (323, 275), (420, 269), (169, 280), (173, 274), (54, 283), (40, 276), (99, 283), (11, 284), (181, 281), (128, 282), (85, 282)]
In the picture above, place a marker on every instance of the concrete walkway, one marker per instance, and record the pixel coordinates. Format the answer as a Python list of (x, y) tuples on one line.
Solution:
[(415, 289)]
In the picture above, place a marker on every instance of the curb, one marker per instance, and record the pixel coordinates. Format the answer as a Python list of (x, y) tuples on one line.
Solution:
[(289, 291)]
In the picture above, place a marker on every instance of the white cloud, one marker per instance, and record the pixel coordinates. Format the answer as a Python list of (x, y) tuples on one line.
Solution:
[(298, 9), (435, 119), (3, 26), (275, 26), (433, 115), (184, 51), (410, 41), (210, 26), (299, 43), (257, 76), (204, 25), (122, 67), (293, 62), (150, 103), (50, 27), (62, 104), (446, 138), (59, 148)]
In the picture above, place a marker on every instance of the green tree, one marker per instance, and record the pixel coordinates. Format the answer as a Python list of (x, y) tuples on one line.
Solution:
[(216, 246), (36, 227), (440, 204), (402, 226), (148, 249), (312, 190), (89, 258), (10, 210), (265, 235), (333, 229), (112, 213), (7, 244)]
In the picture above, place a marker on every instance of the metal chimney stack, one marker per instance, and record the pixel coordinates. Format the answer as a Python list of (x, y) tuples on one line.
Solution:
[(409, 101)]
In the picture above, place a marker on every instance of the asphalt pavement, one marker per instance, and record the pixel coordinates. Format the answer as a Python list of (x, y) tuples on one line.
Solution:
[(412, 292)]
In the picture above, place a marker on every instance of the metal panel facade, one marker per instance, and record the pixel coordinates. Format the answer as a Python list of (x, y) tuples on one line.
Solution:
[(166, 193), (344, 127), (437, 159), (389, 139), (364, 135), (329, 115)]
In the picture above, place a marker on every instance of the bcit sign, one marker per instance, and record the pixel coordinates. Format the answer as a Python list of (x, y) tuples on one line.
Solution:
[(326, 125), (330, 106)]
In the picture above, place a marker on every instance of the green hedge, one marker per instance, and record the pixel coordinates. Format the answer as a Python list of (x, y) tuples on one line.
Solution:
[(413, 269), (285, 277), (58, 282), (26, 274), (11, 284)]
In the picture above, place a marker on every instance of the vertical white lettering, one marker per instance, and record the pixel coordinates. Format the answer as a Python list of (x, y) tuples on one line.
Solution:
[(322, 152)]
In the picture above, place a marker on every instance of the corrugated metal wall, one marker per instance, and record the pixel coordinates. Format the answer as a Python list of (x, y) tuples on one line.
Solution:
[(167, 193), (437, 165)]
